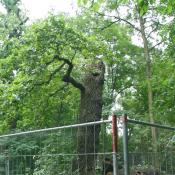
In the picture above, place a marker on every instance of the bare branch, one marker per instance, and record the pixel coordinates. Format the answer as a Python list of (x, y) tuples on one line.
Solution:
[(148, 36), (128, 22), (156, 45), (105, 27), (120, 19), (67, 77)]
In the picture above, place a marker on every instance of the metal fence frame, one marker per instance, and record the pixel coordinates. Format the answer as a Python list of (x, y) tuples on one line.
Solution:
[(112, 121), (125, 122)]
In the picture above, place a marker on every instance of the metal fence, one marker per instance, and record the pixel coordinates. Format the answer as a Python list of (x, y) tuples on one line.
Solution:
[(53, 151), (81, 149), (142, 153)]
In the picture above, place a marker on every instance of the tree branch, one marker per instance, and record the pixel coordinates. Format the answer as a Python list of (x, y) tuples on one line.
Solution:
[(124, 88), (60, 89), (67, 77), (51, 75), (120, 19), (109, 25), (156, 45), (128, 22), (30, 89), (152, 31)]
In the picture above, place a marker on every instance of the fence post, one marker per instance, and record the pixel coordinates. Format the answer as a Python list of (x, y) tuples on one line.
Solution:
[(114, 144), (125, 145), (7, 163)]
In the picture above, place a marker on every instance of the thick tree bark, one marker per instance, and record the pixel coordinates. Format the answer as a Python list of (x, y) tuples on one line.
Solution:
[(90, 110)]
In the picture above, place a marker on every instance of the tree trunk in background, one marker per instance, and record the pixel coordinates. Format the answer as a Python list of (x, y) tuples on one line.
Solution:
[(90, 110), (148, 80)]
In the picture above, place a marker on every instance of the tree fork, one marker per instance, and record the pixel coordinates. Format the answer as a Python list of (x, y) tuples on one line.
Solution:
[(90, 110), (67, 77)]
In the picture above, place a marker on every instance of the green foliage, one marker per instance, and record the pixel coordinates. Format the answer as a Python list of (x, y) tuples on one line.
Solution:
[(32, 68), (33, 95), (56, 144), (167, 7)]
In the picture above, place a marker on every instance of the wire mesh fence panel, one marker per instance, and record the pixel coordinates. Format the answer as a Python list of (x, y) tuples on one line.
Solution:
[(86, 149), (147, 161), (75, 149), (151, 149)]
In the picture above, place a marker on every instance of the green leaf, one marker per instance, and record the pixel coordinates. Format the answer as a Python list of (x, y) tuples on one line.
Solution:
[(169, 9), (96, 6)]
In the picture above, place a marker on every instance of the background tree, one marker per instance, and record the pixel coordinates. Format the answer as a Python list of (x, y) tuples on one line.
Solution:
[(145, 19)]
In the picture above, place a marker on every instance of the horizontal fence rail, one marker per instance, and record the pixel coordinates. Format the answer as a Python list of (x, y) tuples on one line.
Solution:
[(150, 124), (56, 128), (91, 148), (144, 155), (79, 149)]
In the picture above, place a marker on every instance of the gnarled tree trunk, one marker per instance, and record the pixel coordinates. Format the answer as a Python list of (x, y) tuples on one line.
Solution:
[(90, 110)]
